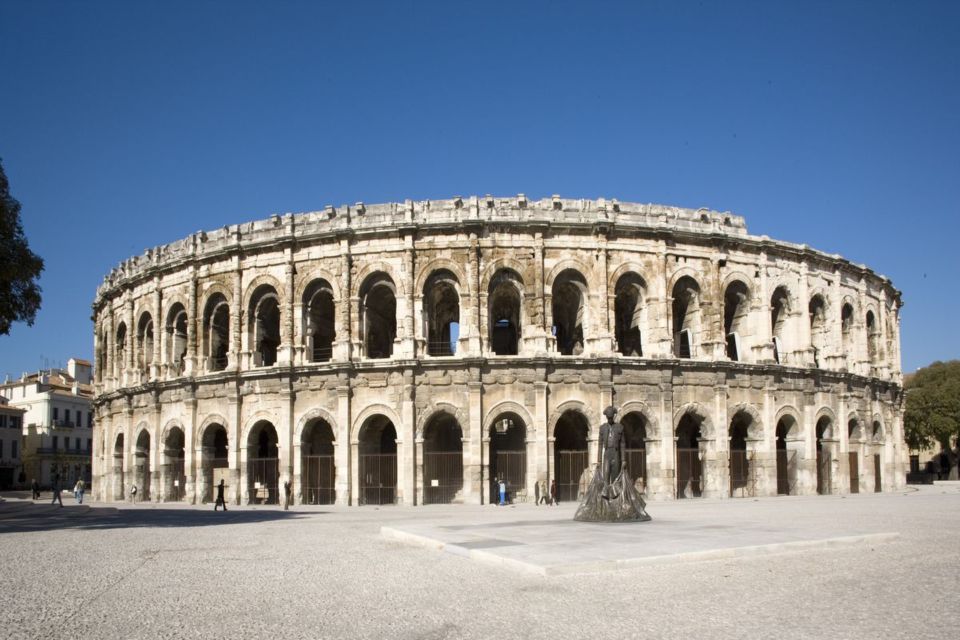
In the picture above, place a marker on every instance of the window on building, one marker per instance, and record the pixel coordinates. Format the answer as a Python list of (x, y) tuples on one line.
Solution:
[(77, 447), (89, 420), (56, 442), (89, 445), (56, 413), (1, 448), (3, 420), (15, 422), (13, 449)]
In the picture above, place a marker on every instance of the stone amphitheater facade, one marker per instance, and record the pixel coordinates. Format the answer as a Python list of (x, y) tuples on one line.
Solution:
[(415, 352)]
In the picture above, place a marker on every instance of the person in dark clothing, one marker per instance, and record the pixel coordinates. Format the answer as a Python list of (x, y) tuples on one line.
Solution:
[(56, 490), (220, 501), (554, 500), (35, 487)]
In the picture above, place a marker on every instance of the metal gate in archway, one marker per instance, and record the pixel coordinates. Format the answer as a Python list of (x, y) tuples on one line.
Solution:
[(512, 469), (179, 482), (689, 473), (824, 484), (263, 475), (442, 476), (637, 464), (786, 469), (743, 476), (378, 478), (854, 473), (317, 480), (570, 466)]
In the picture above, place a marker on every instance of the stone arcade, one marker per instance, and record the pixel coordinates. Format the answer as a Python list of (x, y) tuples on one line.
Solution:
[(412, 353)]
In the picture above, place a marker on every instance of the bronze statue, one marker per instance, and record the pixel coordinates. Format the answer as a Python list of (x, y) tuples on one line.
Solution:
[(612, 496)]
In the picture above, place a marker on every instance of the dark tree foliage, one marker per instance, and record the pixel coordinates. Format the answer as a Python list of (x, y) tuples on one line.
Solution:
[(933, 406), (19, 267)]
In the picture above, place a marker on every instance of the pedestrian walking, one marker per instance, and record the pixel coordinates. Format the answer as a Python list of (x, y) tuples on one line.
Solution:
[(133, 493), (78, 490), (536, 493), (56, 490), (286, 494), (220, 501), (554, 500), (35, 487), (503, 492)]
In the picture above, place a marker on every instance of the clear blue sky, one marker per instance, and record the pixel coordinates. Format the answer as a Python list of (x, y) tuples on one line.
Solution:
[(128, 125)]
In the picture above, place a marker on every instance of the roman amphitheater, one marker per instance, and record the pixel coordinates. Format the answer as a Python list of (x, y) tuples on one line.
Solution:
[(413, 353)]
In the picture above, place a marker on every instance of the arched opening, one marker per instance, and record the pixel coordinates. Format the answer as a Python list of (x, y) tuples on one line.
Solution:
[(779, 311), (630, 314), (174, 455), (570, 458), (442, 460), (176, 330), (873, 338), (818, 327), (319, 321), (263, 464), (736, 310), (216, 332), (264, 313), (119, 491), (742, 481), (854, 437), (141, 466), (121, 347), (635, 433), (318, 467), (377, 461), (378, 315), (145, 342), (214, 459), (689, 468), (824, 461), (786, 456), (686, 317), (503, 300), (846, 332), (441, 308), (569, 309), (508, 454)]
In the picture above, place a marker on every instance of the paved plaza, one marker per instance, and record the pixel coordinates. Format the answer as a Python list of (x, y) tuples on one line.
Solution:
[(861, 566)]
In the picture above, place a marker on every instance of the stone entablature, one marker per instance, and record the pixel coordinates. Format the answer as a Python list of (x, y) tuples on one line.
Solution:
[(541, 311)]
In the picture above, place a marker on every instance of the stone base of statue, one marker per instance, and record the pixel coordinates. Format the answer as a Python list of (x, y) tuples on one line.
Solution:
[(618, 501)]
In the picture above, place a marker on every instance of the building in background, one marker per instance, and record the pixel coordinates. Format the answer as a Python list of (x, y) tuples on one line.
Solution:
[(11, 447), (57, 422)]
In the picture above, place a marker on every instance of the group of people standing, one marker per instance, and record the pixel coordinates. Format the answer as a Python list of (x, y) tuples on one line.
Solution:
[(542, 497), (78, 490)]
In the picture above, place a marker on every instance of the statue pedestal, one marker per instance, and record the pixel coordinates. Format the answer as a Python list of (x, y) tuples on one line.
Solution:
[(617, 502)]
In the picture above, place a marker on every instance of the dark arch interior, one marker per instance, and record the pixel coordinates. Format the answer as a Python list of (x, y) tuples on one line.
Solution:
[(504, 301), (320, 313), (266, 316), (627, 309), (263, 464), (318, 468), (442, 307), (570, 453), (569, 290), (689, 470), (442, 459), (508, 454), (377, 464)]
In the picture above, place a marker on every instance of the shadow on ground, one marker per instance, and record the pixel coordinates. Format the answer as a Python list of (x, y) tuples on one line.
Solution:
[(22, 517)]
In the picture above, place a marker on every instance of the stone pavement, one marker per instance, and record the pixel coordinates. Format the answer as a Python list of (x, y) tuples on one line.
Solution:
[(179, 571), (548, 541)]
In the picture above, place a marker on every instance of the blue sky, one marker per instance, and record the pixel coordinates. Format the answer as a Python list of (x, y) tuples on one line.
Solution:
[(128, 125)]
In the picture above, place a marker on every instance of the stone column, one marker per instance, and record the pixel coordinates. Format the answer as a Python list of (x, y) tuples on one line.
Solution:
[(157, 329), (344, 461), (475, 473), (194, 328), (287, 331), (236, 361), (407, 460), (192, 488), (347, 305)]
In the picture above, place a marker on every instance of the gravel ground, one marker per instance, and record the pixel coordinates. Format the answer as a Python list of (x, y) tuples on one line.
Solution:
[(163, 571)]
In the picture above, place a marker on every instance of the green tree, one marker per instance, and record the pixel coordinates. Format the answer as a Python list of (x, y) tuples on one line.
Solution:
[(19, 267), (933, 406)]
